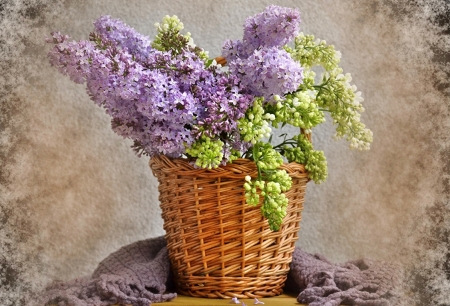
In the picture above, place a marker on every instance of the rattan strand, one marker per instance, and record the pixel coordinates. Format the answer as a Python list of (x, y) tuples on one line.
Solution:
[(219, 246)]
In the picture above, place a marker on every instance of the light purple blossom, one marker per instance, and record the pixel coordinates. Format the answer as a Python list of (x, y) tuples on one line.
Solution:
[(233, 49), (163, 102), (274, 27), (70, 57), (268, 72), (259, 61), (124, 36)]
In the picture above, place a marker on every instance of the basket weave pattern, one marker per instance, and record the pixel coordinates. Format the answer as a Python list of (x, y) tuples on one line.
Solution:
[(219, 246)]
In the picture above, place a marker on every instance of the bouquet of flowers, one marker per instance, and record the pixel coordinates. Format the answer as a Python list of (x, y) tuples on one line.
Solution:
[(170, 98)]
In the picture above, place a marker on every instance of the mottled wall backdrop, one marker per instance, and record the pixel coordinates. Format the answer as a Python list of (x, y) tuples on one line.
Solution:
[(72, 191)]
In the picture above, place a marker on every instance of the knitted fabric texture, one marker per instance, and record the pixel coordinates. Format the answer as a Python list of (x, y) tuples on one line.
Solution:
[(139, 274), (362, 282)]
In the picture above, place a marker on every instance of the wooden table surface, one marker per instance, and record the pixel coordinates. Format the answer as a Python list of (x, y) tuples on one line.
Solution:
[(284, 299)]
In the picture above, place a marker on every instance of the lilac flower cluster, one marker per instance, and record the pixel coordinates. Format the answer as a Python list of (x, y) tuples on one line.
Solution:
[(259, 60), (162, 101), (274, 27), (268, 72), (77, 66), (125, 36)]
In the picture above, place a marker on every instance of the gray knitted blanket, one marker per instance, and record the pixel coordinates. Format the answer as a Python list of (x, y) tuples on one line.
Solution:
[(139, 274)]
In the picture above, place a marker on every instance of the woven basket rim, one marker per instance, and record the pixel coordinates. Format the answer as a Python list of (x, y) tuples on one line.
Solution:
[(240, 167)]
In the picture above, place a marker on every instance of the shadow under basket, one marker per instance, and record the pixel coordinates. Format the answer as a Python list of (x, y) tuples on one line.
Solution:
[(219, 246)]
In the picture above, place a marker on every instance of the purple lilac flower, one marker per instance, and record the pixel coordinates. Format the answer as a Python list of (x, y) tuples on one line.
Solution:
[(146, 105), (274, 27), (163, 102), (224, 105), (268, 72), (168, 139), (71, 57), (258, 60), (125, 36), (233, 49)]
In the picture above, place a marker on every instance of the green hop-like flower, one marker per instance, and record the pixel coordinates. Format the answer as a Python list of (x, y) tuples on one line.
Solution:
[(209, 153)]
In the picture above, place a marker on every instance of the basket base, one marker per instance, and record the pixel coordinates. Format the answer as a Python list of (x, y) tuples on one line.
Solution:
[(228, 287)]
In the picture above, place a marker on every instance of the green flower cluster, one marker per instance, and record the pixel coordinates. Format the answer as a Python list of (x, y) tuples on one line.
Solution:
[(335, 94), (265, 157), (168, 35), (297, 109), (209, 153), (310, 52), (255, 124), (169, 38), (303, 108), (270, 184), (300, 150), (344, 104)]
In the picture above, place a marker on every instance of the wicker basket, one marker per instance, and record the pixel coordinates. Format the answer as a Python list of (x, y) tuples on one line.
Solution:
[(219, 246)]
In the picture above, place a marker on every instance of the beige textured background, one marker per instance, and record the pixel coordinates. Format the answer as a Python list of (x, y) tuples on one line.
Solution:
[(72, 191)]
